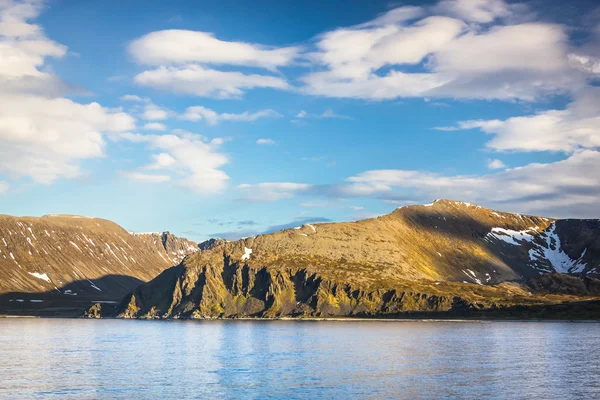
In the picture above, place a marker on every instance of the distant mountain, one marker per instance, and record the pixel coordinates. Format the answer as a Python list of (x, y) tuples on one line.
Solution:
[(65, 261), (447, 256)]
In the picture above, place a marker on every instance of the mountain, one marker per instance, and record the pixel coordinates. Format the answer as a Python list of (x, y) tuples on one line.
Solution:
[(64, 262), (445, 257)]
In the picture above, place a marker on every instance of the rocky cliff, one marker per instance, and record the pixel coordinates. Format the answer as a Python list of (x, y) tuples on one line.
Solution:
[(68, 261), (445, 258)]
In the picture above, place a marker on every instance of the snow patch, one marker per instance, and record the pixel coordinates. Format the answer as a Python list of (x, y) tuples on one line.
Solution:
[(553, 253), (43, 276), (511, 236), (247, 253), (473, 276)]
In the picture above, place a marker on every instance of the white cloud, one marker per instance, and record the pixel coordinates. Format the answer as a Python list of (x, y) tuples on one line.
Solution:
[(197, 113), (182, 56), (446, 53), (145, 178), (272, 191), (42, 136), (495, 164), (4, 187), (153, 112), (155, 126), (585, 62), (162, 160), (186, 158), (175, 46), (199, 81), (265, 141), (565, 188), (526, 47), (566, 130), (134, 98), (328, 113), (45, 138), (480, 11), (23, 49)]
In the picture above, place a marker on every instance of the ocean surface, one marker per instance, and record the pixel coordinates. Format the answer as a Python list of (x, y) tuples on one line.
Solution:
[(90, 359)]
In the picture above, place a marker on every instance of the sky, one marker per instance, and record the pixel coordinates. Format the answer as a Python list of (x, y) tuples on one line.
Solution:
[(230, 119)]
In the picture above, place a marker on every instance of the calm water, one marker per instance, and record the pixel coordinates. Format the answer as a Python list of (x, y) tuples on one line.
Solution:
[(56, 358)]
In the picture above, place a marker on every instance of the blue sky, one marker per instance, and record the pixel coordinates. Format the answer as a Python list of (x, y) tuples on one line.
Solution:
[(228, 118)]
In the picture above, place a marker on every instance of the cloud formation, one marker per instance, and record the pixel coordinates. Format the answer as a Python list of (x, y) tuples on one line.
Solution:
[(197, 113), (575, 127), (181, 58), (178, 47), (43, 136), (445, 51), (188, 159), (566, 188)]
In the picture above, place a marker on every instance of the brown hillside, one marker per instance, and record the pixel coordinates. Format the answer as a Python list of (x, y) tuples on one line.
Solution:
[(77, 258), (436, 254)]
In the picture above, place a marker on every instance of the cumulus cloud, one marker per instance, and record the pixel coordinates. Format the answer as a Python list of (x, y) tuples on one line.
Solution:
[(479, 11), (44, 139), (182, 56), (23, 50), (43, 136), (495, 164), (197, 113), (155, 126), (177, 46), (152, 112), (575, 127), (443, 51), (134, 98), (188, 159), (200, 81)]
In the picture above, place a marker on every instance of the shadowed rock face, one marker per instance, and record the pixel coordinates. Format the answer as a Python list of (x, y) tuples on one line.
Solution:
[(69, 255), (447, 257)]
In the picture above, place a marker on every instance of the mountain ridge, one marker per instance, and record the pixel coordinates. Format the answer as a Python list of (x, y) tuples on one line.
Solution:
[(433, 257), (62, 259)]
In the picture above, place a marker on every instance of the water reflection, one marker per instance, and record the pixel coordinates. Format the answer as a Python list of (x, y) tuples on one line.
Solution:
[(293, 359)]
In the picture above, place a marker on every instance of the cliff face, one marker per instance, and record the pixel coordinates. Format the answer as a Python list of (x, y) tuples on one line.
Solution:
[(69, 261), (447, 257), (237, 290), (169, 246)]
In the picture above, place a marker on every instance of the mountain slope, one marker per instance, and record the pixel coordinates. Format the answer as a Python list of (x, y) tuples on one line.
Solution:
[(435, 257), (75, 259)]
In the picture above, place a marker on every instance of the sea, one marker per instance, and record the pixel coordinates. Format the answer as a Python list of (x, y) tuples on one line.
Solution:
[(283, 359)]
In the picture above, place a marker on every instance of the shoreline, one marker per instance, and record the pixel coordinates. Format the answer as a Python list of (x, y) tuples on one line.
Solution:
[(316, 319)]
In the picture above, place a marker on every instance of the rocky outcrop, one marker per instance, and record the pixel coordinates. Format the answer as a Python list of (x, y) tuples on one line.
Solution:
[(234, 289), (211, 243), (171, 247), (565, 284), (447, 257)]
